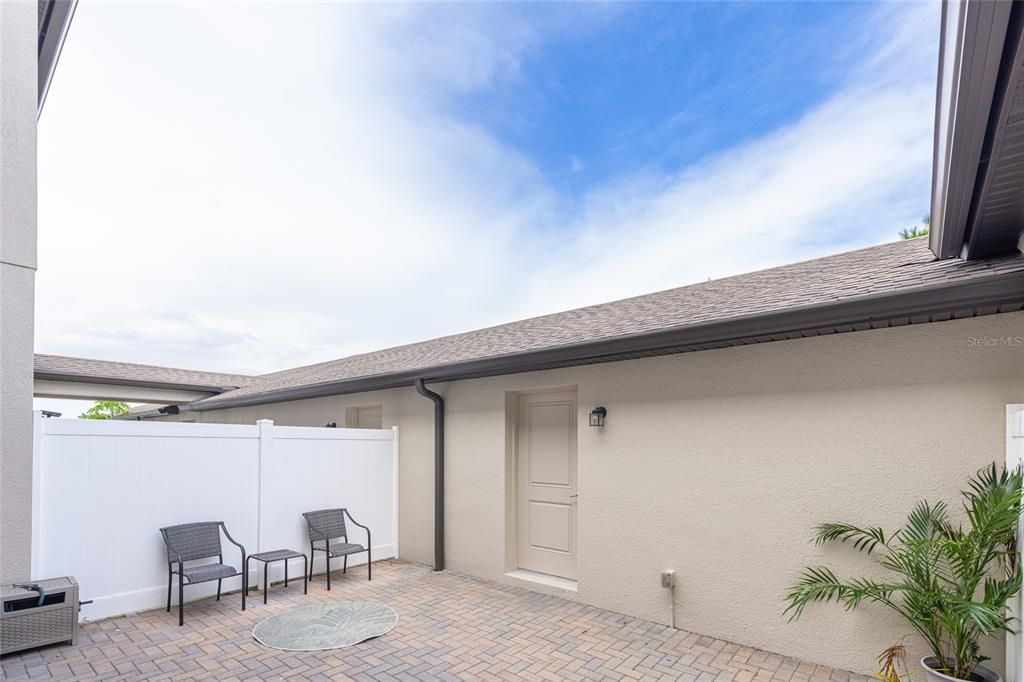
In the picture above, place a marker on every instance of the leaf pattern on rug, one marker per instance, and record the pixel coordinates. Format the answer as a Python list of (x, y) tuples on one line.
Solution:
[(316, 627)]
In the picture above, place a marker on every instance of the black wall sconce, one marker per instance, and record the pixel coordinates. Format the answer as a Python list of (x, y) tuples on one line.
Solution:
[(597, 416)]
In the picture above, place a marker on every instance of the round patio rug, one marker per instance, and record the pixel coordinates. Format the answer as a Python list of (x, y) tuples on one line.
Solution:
[(315, 627)]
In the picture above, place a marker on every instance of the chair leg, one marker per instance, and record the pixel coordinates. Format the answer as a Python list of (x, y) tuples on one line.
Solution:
[(245, 582), (344, 566), (369, 565), (312, 556), (181, 600), (328, 553), (266, 583), (170, 579), (305, 582), (218, 589), (286, 573)]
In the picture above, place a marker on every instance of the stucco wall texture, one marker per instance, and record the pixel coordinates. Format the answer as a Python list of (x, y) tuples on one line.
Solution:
[(719, 464), (18, 50)]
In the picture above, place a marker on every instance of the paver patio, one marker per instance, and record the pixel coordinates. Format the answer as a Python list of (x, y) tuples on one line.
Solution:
[(450, 627)]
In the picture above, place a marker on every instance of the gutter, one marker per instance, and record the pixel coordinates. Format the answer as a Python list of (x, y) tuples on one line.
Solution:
[(863, 312), (164, 411), (138, 383), (438, 472)]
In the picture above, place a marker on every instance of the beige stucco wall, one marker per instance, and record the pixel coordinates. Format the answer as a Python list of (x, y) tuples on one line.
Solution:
[(18, 50), (718, 464)]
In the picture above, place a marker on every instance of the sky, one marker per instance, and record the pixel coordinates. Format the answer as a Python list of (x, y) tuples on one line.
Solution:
[(248, 188)]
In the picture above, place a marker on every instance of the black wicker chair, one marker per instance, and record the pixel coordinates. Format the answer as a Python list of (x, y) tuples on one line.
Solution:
[(191, 542), (327, 525)]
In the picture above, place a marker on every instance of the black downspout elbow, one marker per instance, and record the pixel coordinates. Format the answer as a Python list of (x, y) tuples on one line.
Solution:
[(438, 472)]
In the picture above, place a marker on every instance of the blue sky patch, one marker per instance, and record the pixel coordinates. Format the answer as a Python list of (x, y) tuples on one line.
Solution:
[(310, 180), (655, 87)]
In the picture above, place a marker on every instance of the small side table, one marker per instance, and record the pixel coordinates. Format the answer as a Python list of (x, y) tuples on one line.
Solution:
[(280, 555)]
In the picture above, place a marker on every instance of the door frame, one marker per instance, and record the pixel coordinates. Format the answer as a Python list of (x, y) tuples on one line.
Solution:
[(512, 471), (1015, 457)]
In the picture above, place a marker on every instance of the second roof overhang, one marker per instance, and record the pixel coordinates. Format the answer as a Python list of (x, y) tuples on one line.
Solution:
[(957, 299)]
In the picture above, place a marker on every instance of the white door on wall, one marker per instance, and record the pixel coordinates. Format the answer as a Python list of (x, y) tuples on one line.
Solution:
[(1015, 457), (546, 482)]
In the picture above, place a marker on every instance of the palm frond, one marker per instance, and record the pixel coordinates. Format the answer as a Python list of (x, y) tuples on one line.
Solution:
[(988, 618), (891, 661), (864, 539), (925, 522)]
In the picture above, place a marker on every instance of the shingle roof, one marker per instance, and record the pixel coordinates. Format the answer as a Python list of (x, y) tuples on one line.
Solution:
[(63, 368), (866, 273)]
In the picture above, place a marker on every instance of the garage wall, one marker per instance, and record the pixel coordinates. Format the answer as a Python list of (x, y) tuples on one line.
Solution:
[(718, 464)]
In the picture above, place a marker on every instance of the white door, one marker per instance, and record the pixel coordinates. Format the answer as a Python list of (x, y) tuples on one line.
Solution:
[(1015, 457), (546, 482)]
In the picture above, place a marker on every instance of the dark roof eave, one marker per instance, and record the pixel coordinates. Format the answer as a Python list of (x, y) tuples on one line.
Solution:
[(114, 381), (975, 31), (976, 170), (945, 298), (54, 23)]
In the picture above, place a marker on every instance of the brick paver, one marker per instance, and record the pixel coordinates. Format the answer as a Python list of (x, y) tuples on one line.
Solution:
[(451, 627)]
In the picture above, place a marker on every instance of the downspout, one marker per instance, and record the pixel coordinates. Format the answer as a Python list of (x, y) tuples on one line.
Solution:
[(438, 472)]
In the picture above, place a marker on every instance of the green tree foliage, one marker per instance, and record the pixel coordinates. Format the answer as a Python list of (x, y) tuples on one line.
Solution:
[(104, 409), (917, 230), (950, 582)]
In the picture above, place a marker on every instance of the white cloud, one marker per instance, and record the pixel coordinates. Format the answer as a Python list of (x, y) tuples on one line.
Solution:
[(248, 191)]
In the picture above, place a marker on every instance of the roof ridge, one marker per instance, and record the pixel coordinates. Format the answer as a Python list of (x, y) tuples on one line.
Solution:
[(443, 337), (898, 282)]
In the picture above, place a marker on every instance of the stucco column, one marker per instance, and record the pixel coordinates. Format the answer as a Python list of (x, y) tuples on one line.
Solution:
[(18, 102)]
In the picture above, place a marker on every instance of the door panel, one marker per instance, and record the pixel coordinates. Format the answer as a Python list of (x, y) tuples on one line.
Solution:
[(550, 444), (550, 526), (546, 481)]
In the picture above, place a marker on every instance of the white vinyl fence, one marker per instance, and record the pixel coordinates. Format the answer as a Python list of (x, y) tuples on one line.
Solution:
[(103, 489)]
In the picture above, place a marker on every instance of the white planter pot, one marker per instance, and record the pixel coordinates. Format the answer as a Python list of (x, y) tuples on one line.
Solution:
[(981, 673)]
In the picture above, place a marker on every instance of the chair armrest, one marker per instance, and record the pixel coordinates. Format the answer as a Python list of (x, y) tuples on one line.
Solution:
[(356, 523), (232, 540)]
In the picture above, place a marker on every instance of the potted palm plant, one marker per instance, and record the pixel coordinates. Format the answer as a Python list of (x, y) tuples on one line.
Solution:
[(951, 581)]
